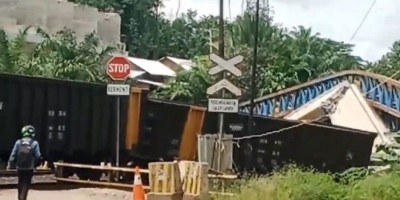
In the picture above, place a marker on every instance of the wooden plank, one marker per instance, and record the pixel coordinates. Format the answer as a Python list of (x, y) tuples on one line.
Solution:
[(99, 167), (224, 176), (164, 178), (108, 184), (124, 169), (222, 194), (197, 181)]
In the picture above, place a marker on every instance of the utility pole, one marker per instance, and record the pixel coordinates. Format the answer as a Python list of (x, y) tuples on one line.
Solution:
[(155, 50), (254, 69), (221, 52)]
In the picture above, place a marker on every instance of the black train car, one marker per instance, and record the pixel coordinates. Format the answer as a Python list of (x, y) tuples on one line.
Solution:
[(161, 129), (167, 130), (322, 146), (75, 121)]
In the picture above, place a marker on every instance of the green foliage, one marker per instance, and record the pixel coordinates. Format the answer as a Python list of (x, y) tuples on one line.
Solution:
[(389, 64), (59, 56), (149, 35), (298, 184), (285, 58), (189, 86)]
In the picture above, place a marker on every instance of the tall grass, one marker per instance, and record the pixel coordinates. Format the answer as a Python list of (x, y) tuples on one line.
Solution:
[(299, 184)]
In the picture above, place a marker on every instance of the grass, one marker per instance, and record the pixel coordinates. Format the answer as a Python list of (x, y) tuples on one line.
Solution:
[(299, 184)]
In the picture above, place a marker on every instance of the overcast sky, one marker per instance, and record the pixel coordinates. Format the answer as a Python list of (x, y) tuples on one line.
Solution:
[(336, 19)]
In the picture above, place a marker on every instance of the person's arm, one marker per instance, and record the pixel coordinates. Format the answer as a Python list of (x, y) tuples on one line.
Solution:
[(13, 153), (37, 151)]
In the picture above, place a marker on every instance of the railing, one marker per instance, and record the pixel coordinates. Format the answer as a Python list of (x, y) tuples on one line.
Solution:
[(109, 170), (383, 93)]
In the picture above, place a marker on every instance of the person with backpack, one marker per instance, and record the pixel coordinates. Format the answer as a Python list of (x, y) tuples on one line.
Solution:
[(24, 156)]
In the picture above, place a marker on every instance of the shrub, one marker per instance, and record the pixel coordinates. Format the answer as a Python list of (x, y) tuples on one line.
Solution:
[(301, 184)]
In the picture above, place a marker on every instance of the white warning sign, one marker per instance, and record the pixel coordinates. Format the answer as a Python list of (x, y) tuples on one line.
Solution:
[(223, 105)]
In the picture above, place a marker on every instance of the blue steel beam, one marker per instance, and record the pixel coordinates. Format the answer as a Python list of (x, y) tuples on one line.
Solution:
[(382, 92)]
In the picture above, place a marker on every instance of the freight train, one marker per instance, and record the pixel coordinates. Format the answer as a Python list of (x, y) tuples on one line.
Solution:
[(76, 123)]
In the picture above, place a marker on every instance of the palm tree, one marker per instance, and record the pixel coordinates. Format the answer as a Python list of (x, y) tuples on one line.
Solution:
[(286, 58), (15, 52)]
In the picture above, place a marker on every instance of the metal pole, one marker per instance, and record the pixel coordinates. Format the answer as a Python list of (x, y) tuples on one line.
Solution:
[(118, 132), (254, 70), (221, 52), (155, 50)]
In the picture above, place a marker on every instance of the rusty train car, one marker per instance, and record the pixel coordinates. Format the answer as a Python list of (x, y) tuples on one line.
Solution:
[(75, 122), (168, 129)]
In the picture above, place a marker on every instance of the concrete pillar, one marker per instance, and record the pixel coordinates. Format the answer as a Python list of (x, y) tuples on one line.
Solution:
[(8, 8), (4, 3), (85, 20), (109, 27), (14, 30), (82, 28), (32, 12), (7, 22), (85, 13), (60, 14)]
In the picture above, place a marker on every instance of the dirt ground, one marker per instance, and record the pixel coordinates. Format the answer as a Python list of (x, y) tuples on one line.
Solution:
[(74, 194)]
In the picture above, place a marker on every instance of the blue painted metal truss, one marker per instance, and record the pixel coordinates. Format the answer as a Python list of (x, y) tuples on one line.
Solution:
[(381, 92)]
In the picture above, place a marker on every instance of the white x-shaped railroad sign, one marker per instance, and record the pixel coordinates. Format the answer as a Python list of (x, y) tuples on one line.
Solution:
[(228, 65)]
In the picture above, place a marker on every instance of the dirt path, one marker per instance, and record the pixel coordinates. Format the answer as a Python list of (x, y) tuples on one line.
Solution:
[(75, 194)]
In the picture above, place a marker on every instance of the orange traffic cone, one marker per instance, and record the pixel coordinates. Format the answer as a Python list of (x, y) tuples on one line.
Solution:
[(138, 191)]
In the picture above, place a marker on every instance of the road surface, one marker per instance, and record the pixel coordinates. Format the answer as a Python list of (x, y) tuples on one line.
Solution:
[(73, 194)]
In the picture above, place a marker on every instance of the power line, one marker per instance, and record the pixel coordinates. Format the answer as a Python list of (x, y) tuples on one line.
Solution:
[(363, 20)]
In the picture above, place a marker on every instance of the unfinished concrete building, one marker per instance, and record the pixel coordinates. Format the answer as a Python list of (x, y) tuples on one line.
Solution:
[(54, 15)]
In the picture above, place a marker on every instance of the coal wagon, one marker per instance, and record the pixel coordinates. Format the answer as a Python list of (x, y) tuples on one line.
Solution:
[(74, 121)]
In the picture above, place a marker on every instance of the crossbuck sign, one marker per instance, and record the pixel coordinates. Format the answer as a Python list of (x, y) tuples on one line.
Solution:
[(228, 65), (224, 105)]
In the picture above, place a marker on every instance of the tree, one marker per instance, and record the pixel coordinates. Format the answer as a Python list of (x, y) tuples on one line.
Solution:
[(286, 57), (389, 64), (149, 35), (59, 56), (188, 86)]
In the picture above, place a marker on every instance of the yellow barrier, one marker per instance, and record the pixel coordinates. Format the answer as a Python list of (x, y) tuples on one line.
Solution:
[(195, 182), (172, 179), (165, 181)]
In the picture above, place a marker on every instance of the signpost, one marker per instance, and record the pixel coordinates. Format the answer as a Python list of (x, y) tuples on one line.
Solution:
[(118, 69), (222, 105), (118, 89)]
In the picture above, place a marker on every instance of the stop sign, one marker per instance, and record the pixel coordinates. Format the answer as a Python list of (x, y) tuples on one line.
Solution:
[(118, 68)]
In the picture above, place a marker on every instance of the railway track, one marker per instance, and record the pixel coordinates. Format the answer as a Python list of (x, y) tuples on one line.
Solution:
[(50, 182), (9, 179), (46, 180)]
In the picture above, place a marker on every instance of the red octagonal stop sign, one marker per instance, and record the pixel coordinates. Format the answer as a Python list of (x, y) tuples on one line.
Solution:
[(118, 68)]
